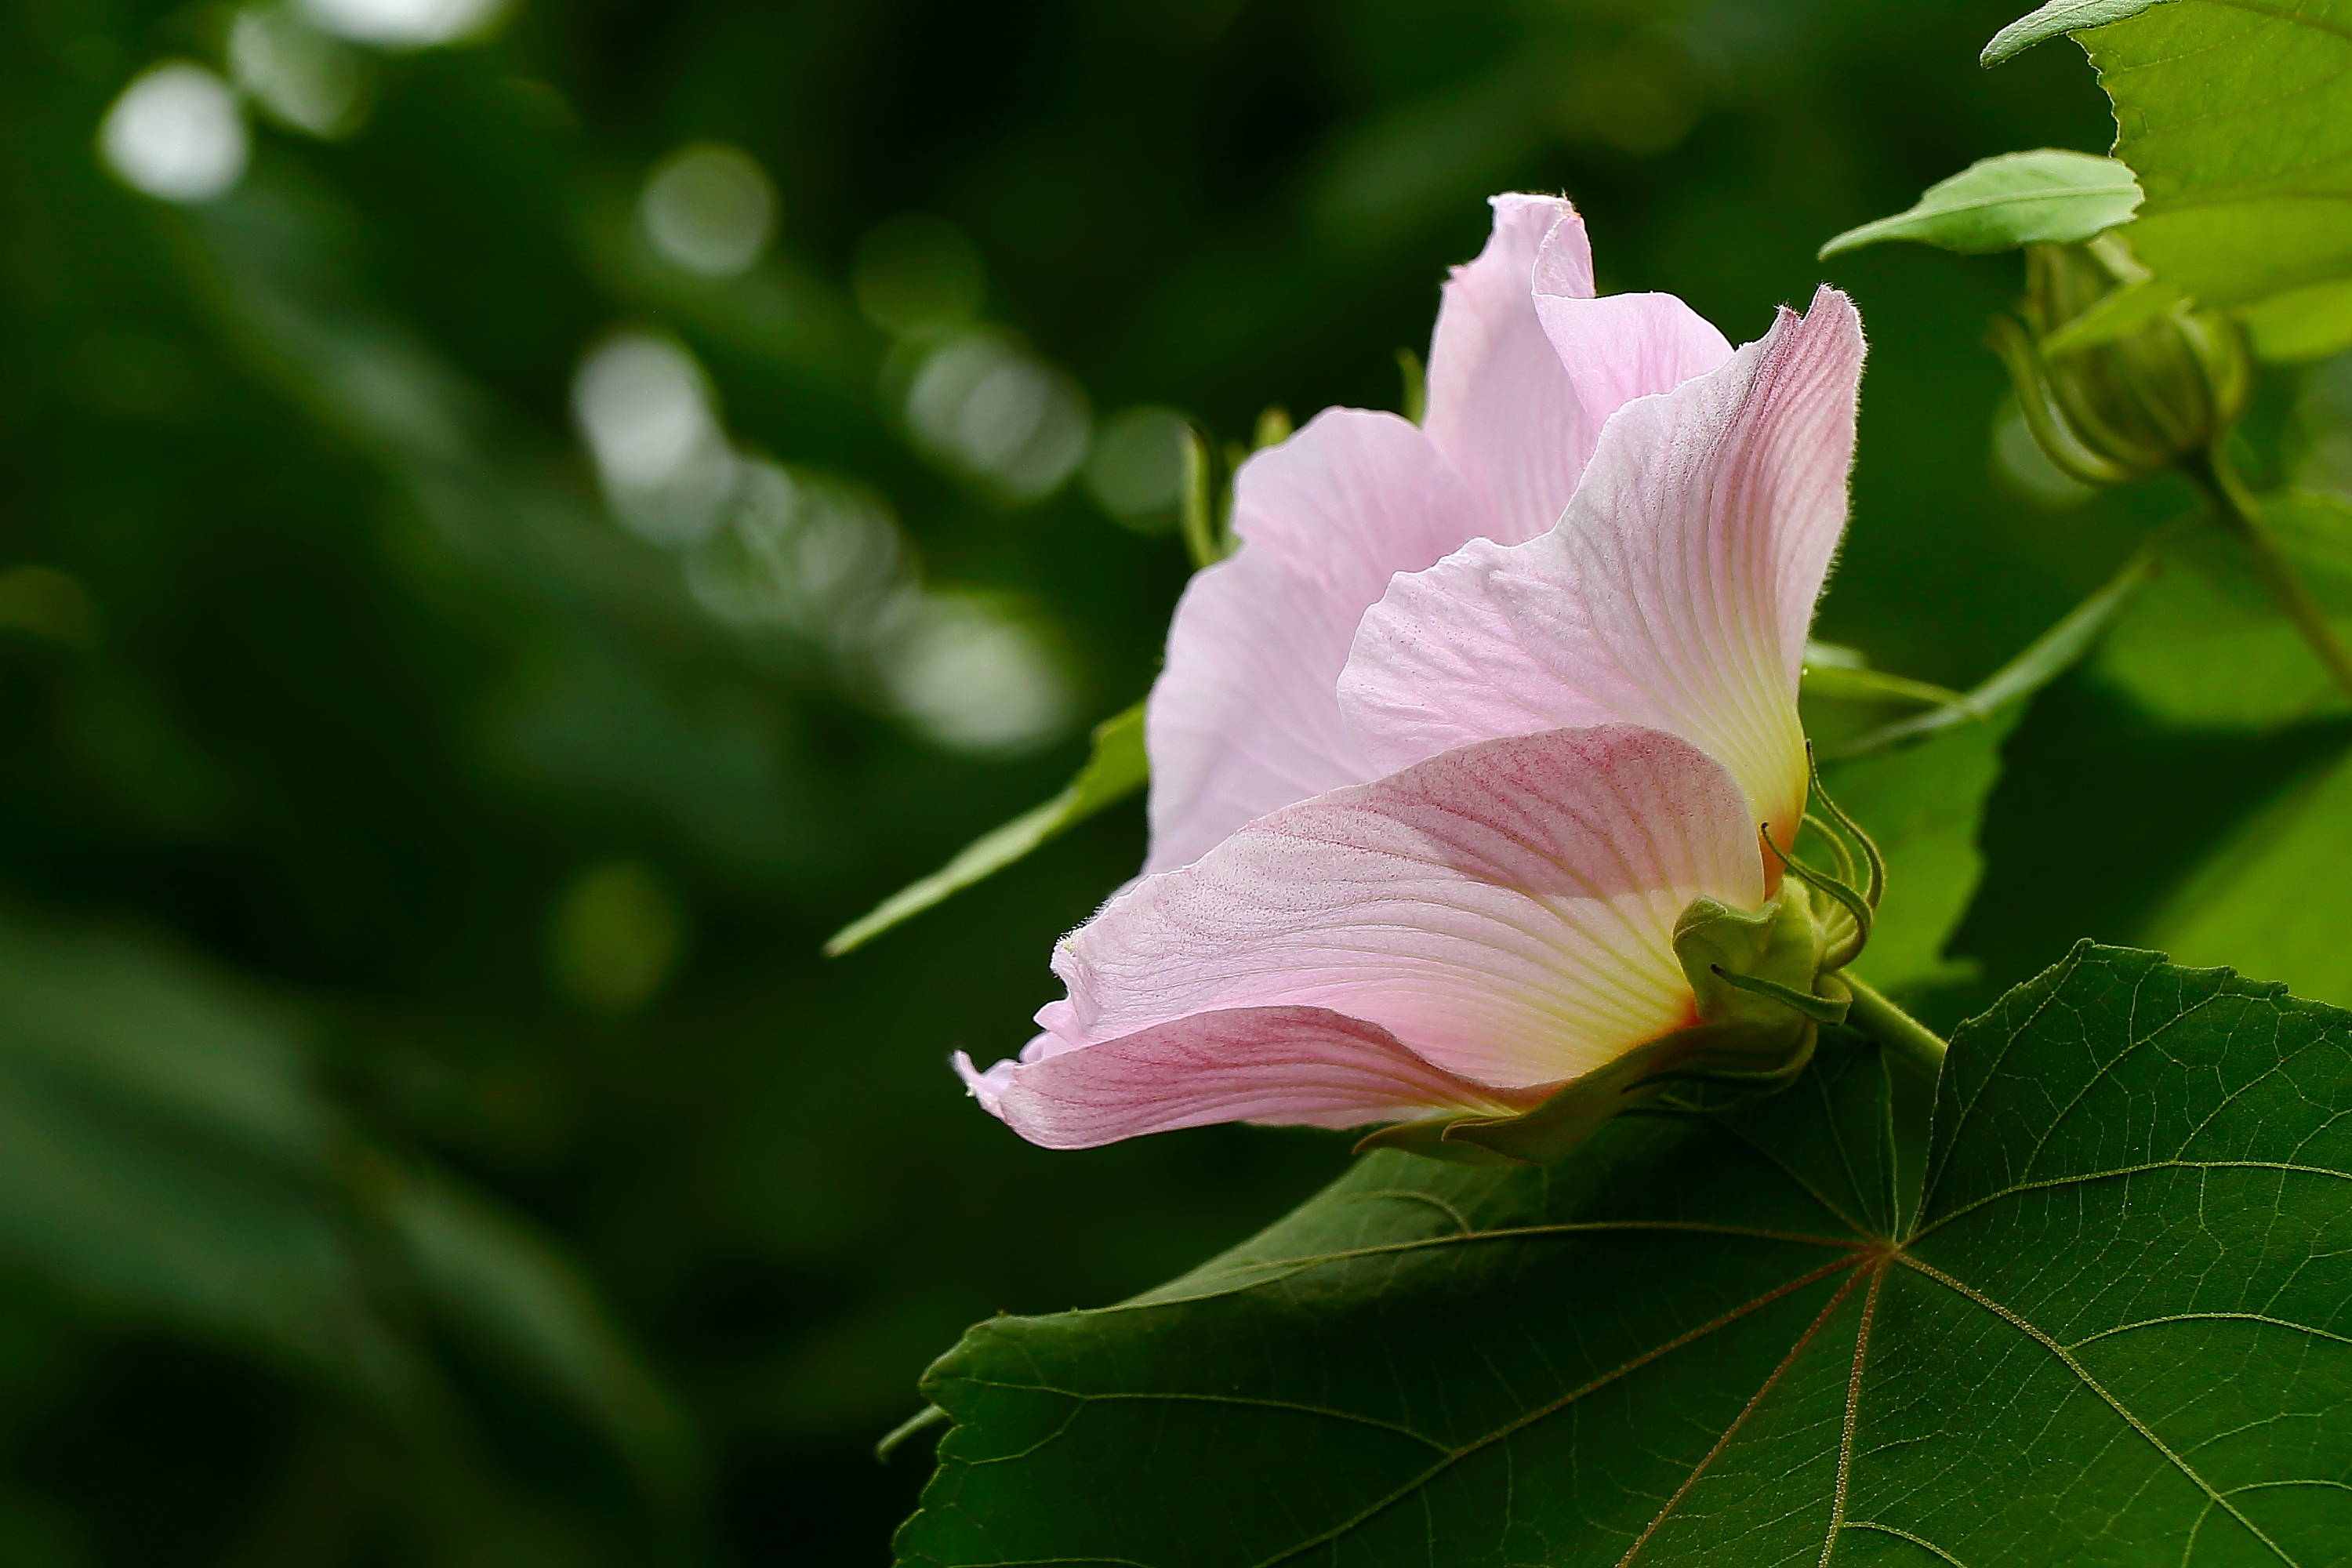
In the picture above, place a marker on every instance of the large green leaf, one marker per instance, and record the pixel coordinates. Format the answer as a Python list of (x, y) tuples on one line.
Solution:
[(2115, 1329), (2017, 198), (2237, 118), (2205, 644)]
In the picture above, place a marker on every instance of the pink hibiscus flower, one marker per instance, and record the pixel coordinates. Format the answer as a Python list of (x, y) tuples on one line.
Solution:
[(1459, 762)]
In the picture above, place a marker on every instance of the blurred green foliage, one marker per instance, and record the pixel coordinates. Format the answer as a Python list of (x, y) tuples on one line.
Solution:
[(432, 1133)]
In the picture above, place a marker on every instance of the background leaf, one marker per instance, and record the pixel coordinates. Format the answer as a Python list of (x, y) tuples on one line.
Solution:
[(2274, 888), (1919, 786), (2238, 121), (2302, 323), (1998, 204), (165, 1155), (2205, 644), (2115, 1331), (2058, 16), (1116, 768), (1923, 806)]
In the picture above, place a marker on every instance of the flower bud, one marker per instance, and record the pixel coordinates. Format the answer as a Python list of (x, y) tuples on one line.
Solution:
[(2118, 377)]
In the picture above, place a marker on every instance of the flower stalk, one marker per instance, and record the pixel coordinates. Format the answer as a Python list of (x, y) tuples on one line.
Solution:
[(2236, 510), (1873, 1013)]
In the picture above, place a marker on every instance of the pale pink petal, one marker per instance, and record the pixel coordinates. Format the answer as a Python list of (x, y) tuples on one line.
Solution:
[(1294, 1065), (1501, 407), (1626, 347), (1506, 910), (1245, 718), (1677, 591)]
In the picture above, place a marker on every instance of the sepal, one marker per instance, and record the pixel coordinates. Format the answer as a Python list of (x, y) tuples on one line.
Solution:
[(1744, 968)]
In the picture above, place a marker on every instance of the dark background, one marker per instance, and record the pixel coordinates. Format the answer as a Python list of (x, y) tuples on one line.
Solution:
[(375, 681)]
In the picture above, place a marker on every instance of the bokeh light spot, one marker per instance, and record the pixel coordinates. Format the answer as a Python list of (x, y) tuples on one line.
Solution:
[(615, 936), (709, 210), (971, 677), (404, 23), (800, 553), (1137, 467), (644, 407), (985, 406), (51, 605), (175, 133), (301, 77)]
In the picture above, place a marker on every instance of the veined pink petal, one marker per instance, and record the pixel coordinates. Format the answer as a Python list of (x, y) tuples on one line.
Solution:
[(1625, 346), (1504, 910), (1294, 1066), (1247, 718), (1677, 591), (1501, 405)]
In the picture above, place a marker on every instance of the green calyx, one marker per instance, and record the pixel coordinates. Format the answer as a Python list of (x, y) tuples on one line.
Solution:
[(1762, 981), (2118, 376)]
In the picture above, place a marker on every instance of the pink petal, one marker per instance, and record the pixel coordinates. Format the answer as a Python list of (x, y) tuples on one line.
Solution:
[(1506, 910), (1627, 345), (1676, 592), (1501, 407), (1247, 717), (1296, 1066)]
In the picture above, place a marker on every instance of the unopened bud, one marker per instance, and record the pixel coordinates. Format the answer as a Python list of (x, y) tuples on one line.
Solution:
[(2118, 376)]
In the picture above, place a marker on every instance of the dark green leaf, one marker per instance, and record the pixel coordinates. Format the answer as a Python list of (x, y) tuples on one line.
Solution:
[(2056, 18), (2206, 645), (1998, 204), (1115, 769), (2237, 118), (2117, 1332)]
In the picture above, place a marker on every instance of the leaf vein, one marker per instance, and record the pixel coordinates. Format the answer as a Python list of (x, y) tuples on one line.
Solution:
[(2082, 1374)]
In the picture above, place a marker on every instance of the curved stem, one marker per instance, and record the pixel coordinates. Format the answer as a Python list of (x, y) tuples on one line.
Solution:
[(2243, 516), (1891, 1027)]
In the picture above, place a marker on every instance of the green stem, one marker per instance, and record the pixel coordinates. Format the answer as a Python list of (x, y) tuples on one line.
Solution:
[(2243, 516), (1891, 1027), (928, 1416)]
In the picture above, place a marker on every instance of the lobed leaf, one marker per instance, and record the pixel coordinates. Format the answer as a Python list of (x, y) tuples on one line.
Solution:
[(2097, 1310), (2017, 198)]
